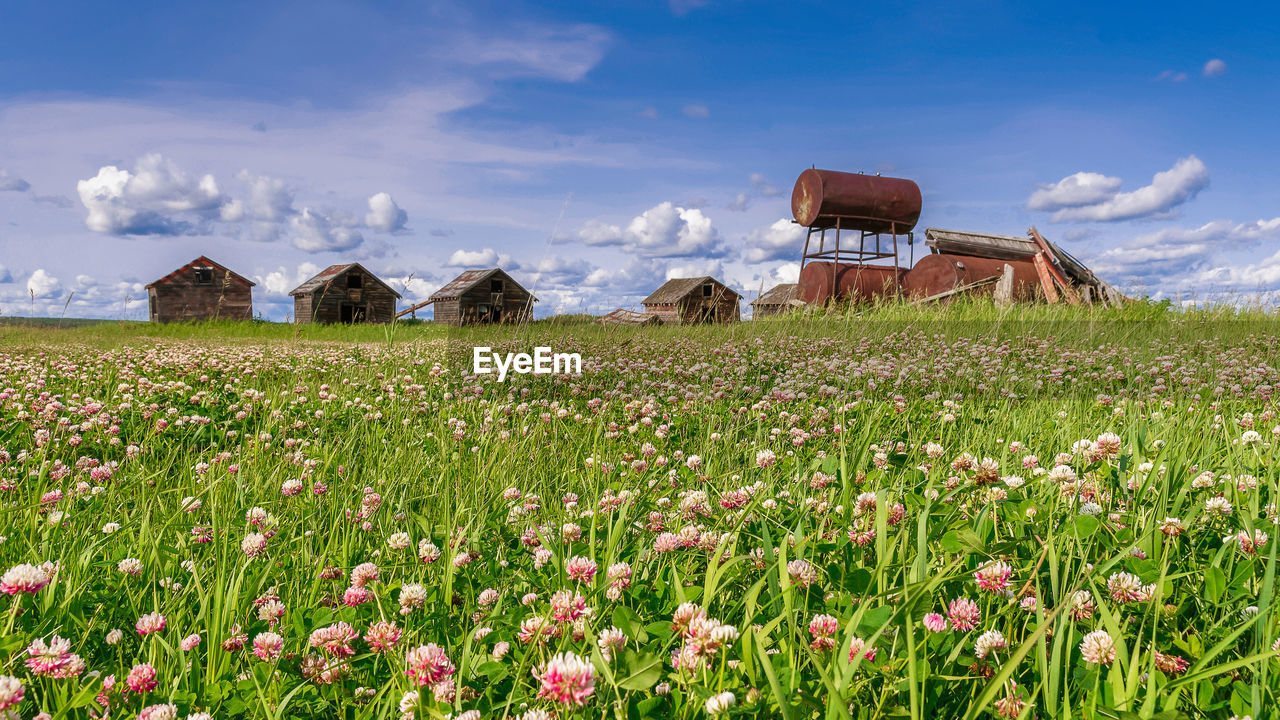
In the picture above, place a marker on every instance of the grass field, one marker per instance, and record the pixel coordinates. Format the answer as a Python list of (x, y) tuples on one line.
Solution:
[(956, 512)]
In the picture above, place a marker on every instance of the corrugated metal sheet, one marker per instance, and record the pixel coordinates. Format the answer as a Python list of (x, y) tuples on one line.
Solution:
[(471, 278), (201, 261), (331, 272), (463, 283)]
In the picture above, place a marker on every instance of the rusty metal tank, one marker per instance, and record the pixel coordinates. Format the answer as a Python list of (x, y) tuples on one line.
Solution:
[(876, 204), (940, 272), (854, 283)]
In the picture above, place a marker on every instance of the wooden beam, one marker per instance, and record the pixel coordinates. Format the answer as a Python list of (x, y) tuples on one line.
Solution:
[(1053, 266), (1004, 286), (414, 309), (957, 290), (1046, 278)]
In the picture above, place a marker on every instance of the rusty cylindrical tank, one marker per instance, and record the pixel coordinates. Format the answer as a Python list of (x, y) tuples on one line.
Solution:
[(939, 273), (855, 283), (886, 204)]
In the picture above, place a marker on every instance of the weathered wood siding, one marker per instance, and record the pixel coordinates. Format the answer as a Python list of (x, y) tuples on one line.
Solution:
[(180, 298), (717, 308), (667, 314), (722, 306), (512, 305), (761, 311), (301, 309), (371, 303)]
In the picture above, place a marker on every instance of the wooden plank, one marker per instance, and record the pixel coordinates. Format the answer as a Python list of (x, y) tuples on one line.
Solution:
[(957, 290), (414, 309), (996, 247), (1004, 286), (1046, 278), (1052, 265)]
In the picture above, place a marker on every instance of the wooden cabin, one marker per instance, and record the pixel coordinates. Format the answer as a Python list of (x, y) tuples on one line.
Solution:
[(344, 294), (688, 301), (200, 290), (482, 296), (780, 299)]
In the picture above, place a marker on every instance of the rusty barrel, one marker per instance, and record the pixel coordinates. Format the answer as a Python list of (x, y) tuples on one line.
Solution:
[(866, 202), (939, 273), (856, 283)]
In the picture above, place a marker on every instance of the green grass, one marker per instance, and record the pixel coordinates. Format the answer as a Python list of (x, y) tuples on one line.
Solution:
[(848, 403)]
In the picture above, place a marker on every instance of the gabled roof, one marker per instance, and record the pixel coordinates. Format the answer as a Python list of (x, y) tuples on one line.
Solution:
[(201, 261), (785, 294), (330, 274), (676, 289), (471, 278)]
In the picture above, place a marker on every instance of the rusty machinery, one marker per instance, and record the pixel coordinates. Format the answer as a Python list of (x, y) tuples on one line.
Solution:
[(866, 207)]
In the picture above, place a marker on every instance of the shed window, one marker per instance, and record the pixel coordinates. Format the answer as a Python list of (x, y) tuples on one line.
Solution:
[(495, 285), (204, 276), (706, 290), (355, 281)]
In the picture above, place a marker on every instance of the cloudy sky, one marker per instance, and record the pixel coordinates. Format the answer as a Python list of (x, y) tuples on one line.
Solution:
[(595, 149)]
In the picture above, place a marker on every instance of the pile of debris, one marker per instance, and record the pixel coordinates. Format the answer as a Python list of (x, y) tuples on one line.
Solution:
[(1058, 275), (622, 316)]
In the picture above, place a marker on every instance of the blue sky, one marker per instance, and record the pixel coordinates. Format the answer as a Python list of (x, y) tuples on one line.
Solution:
[(595, 149)]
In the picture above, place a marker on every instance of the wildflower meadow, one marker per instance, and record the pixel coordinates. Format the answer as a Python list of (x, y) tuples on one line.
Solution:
[(899, 515)]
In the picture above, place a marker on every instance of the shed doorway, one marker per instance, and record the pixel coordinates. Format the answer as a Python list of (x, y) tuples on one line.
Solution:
[(349, 313)]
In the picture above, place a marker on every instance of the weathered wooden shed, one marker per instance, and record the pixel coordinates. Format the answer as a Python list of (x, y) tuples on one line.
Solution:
[(344, 294), (780, 299), (482, 296), (200, 290), (686, 301)]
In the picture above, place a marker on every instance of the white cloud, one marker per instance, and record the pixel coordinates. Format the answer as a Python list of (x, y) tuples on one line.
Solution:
[(663, 230), (697, 268), (42, 284), (1214, 68), (157, 198), (384, 215), (1172, 76), (279, 282), (11, 183), (1172, 254), (566, 53), (416, 286), (269, 199), (1219, 231), (781, 239), (558, 271), (486, 258), (740, 203), (786, 273), (649, 112), (5, 275), (316, 232), (763, 187), (636, 278), (1094, 197), (680, 8), (1082, 188), (697, 111)]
